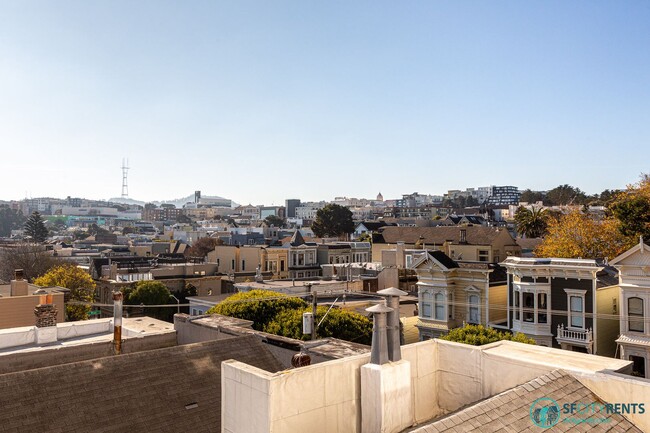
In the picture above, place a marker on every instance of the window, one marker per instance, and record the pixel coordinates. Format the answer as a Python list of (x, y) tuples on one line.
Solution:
[(483, 255), (427, 304), (281, 265), (638, 365), (233, 264), (517, 294), (474, 309), (577, 309), (541, 308), (529, 306), (440, 306), (635, 314), (243, 265)]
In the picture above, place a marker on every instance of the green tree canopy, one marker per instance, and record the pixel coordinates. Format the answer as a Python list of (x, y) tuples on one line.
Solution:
[(80, 283), (259, 306), (632, 209), (35, 228), (532, 222), (333, 220), (478, 335), (342, 324), (529, 196), (151, 293), (564, 195), (274, 220)]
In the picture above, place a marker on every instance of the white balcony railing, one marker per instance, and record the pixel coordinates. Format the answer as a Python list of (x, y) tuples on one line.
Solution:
[(584, 336)]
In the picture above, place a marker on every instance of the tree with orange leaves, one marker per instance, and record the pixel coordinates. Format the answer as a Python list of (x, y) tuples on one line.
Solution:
[(578, 235)]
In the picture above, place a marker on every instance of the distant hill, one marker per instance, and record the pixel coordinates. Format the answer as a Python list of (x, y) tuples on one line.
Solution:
[(179, 202)]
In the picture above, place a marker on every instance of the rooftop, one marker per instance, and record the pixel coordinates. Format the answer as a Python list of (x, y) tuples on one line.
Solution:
[(510, 411)]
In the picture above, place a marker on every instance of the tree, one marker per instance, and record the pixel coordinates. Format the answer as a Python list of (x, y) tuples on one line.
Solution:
[(632, 209), (564, 195), (31, 258), (202, 246), (10, 219), (338, 323), (478, 335), (333, 220), (81, 285), (274, 220), (529, 196), (259, 306), (35, 228), (579, 235), (532, 222), (151, 293)]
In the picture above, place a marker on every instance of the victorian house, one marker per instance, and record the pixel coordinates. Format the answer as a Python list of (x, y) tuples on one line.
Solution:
[(566, 303), (452, 293), (634, 281)]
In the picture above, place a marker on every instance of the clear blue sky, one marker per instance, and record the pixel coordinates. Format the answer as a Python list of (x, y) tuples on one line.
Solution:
[(260, 101)]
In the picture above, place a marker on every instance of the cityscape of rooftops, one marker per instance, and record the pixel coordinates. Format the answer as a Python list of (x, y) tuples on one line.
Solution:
[(351, 217)]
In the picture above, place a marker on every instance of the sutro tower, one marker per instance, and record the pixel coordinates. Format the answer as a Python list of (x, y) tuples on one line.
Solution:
[(125, 172)]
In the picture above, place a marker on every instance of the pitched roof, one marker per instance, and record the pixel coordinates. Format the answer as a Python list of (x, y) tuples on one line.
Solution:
[(297, 239), (510, 411), (443, 259), (475, 235), (155, 390)]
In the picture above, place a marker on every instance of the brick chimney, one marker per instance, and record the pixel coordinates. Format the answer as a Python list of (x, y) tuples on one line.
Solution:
[(45, 312), (19, 286)]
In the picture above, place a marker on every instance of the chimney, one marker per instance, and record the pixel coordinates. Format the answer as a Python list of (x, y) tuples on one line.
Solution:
[(19, 286), (45, 313), (399, 255)]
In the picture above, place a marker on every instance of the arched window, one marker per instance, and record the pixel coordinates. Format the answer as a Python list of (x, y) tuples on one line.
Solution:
[(474, 309), (635, 314)]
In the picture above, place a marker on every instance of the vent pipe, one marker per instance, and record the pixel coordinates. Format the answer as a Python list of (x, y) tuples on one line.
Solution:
[(117, 322), (379, 348), (392, 294)]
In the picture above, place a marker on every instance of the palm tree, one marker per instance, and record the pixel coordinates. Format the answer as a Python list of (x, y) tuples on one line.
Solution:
[(531, 223)]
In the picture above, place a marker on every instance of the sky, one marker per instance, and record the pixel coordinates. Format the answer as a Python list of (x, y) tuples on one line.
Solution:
[(260, 101)]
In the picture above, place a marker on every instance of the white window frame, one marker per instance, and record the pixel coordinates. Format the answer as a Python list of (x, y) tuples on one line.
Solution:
[(426, 301), (579, 294), (444, 307), (637, 318), (473, 291)]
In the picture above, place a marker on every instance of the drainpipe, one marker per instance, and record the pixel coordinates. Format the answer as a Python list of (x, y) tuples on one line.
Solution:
[(392, 294), (117, 322)]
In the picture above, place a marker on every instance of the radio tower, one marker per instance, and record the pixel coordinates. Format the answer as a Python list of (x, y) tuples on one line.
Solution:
[(125, 172)]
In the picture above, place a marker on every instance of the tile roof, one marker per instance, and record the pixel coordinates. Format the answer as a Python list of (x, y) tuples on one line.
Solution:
[(510, 411), (145, 391), (475, 235)]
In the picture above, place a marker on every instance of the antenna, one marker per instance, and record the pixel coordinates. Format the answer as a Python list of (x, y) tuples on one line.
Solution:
[(125, 172)]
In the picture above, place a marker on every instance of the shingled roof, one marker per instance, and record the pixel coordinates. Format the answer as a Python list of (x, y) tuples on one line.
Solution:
[(510, 411), (475, 235), (166, 390)]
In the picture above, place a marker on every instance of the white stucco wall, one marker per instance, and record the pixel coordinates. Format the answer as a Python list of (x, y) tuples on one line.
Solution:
[(326, 397)]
